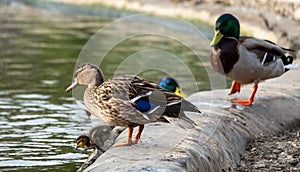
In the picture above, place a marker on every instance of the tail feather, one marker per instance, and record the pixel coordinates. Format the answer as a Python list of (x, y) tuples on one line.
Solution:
[(287, 61), (291, 66), (188, 106), (183, 121), (181, 106)]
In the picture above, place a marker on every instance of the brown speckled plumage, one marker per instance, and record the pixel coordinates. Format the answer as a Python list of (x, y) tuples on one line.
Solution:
[(112, 100)]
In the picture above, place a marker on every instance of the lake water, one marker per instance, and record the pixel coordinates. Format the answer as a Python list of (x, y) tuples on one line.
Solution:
[(41, 43)]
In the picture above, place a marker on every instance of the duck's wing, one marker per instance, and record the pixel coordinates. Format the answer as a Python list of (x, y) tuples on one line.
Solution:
[(172, 112), (163, 102), (126, 110), (253, 44), (265, 51), (261, 47), (113, 97), (139, 86), (171, 105), (285, 49)]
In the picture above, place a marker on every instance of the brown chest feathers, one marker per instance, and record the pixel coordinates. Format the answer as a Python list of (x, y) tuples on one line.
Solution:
[(224, 55)]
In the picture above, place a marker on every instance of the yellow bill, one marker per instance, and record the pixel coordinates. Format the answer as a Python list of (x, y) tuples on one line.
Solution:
[(217, 37), (179, 93)]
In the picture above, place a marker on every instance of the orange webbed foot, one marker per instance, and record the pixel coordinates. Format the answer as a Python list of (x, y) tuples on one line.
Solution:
[(135, 141), (235, 88), (250, 100), (242, 102), (129, 142)]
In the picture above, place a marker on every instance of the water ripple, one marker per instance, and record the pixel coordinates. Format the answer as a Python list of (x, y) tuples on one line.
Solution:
[(31, 96), (28, 163), (60, 156), (40, 121)]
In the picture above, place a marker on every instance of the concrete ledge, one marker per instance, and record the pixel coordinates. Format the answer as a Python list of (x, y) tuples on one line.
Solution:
[(222, 134)]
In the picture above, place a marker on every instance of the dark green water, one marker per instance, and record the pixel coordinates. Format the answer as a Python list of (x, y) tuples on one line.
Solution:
[(40, 44)]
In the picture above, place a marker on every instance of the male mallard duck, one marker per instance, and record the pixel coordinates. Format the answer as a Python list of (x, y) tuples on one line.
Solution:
[(171, 85), (245, 59), (130, 101)]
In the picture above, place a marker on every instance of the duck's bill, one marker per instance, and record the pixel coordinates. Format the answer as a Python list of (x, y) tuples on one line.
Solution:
[(217, 37), (72, 86), (178, 92)]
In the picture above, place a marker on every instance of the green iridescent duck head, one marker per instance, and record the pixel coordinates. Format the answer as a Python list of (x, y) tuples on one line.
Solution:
[(87, 74), (171, 84), (226, 26)]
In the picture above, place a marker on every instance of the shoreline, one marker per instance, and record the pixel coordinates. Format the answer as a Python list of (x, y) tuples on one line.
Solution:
[(237, 128), (258, 22)]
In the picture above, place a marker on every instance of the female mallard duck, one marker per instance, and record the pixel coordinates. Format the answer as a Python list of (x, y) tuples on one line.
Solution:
[(245, 59), (171, 85), (166, 83), (130, 101)]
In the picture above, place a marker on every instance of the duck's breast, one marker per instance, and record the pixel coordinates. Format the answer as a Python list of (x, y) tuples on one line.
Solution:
[(224, 55)]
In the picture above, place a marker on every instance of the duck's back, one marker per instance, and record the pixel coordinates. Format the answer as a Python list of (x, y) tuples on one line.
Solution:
[(258, 60)]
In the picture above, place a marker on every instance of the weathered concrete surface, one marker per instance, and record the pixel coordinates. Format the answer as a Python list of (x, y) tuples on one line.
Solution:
[(222, 133)]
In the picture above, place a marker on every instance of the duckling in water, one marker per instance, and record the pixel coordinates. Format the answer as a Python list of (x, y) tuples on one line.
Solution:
[(85, 141)]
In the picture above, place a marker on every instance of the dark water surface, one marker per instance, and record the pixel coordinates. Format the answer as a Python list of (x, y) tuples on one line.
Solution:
[(39, 47)]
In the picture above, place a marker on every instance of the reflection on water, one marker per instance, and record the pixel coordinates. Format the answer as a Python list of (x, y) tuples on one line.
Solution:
[(38, 50)]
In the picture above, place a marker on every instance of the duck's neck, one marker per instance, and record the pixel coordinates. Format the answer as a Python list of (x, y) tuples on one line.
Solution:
[(90, 89), (231, 37), (88, 98), (99, 79)]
